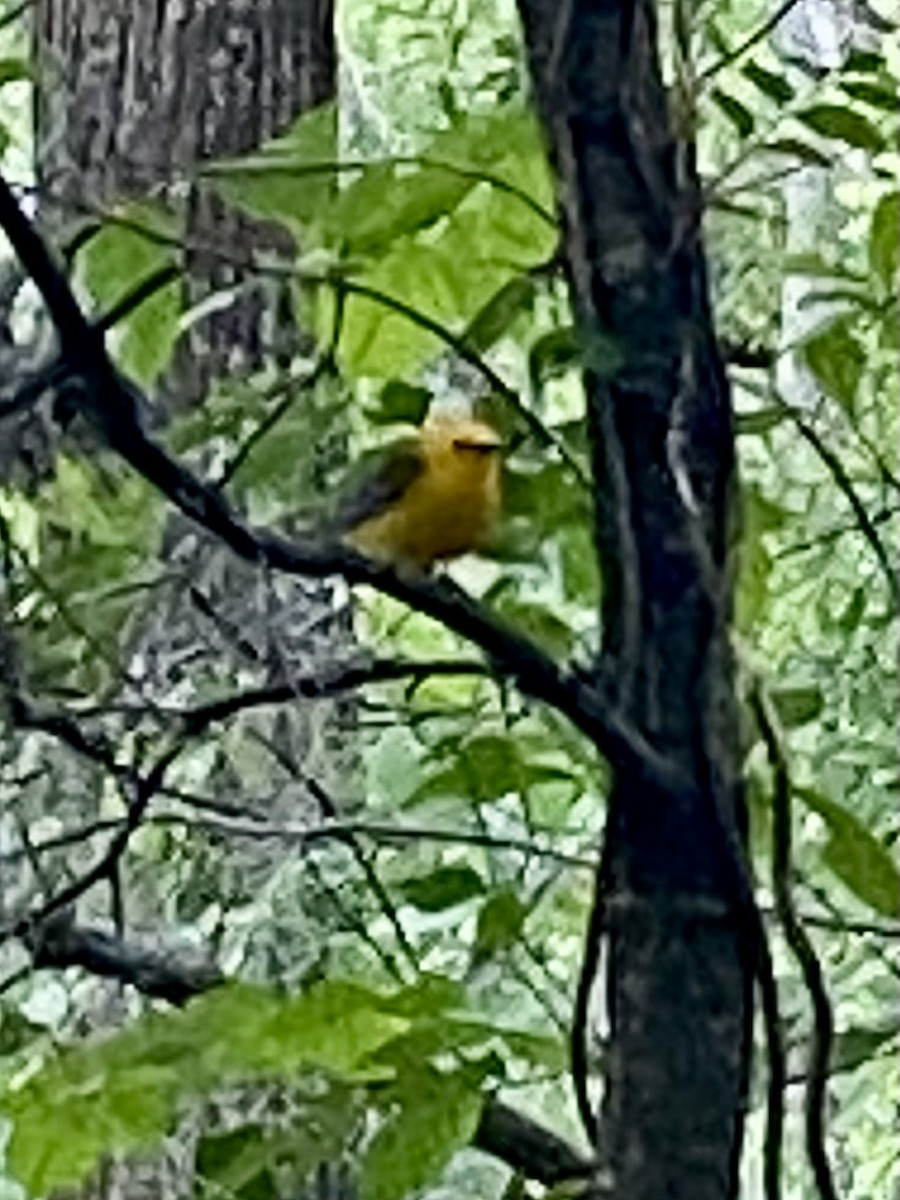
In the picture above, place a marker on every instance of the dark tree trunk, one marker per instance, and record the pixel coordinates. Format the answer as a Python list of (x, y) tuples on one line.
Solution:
[(679, 971)]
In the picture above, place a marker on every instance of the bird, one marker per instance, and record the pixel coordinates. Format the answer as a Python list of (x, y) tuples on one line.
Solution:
[(432, 497)]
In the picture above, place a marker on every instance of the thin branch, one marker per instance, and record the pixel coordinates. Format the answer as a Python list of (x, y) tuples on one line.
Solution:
[(329, 682), (845, 484), (460, 346), (834, 533), (344, 286), (502, 1132), (144, 789), (324, 364), (112, 403), (290, 387), (802, 948), (136, 296), (14, 13), (329, 809), (269, 165), (753, 39), (384, 832)]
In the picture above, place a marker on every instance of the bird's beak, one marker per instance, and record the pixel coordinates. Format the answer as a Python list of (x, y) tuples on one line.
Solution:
[(478, 447)]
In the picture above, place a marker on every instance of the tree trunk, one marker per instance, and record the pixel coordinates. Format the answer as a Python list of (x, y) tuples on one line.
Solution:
[(672, 892), (132, 97)]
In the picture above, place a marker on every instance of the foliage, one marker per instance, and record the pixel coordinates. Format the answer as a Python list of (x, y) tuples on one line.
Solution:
[(425, 267), (121, 1092)]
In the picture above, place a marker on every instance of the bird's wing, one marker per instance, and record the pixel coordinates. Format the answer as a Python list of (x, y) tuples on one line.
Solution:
[(380, 484)]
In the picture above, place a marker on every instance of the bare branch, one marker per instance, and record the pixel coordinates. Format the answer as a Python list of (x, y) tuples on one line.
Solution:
[(112, 403), (802, 948), (58, 942)]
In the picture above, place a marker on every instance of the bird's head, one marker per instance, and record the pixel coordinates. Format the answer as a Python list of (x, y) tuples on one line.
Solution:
[(462, 438)]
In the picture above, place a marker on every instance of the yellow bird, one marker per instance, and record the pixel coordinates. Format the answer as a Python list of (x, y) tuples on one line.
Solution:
[(433, 497)]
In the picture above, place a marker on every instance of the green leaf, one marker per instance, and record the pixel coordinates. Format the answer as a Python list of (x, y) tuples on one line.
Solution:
[(737, 113), (578, 561), (62, 1126), (393, 201), (501, 153), (548, 496), (113, 263), (877, 95), (811, 262), (16, 1031), (537, 622), (884, 240), (247, 1161), (400, 403), (856, 856), (854, 296), (484, 769), (553, 354), (461, 1034), (15, 70), (837, 360), (121, 1093), (759, 516), (853, 613), (239, 1162), (858, 1045), (843, 125), (99, 527), (500, 924), (290, 180), (443, 888), (864, 62), (439, 236), (769, 83), (429, 996), (497, 316), (798, 705), (438, 1115), (492, 235), (794, 148), (755, 424)]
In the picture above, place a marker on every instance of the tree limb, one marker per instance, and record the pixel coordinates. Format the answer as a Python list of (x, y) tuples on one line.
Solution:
[(112, 403)]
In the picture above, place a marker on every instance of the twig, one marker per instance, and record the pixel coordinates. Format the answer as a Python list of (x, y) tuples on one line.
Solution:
[(14, 13), (344, 286), (324, 364), (136, 296), (329, 682), (112, 403), (753, 39), (329, 809), (844, 483), (385, 832), (802, 948), (270, 165)]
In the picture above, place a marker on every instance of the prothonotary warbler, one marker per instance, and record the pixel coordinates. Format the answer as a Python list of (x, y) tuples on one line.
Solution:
[(432, 497)]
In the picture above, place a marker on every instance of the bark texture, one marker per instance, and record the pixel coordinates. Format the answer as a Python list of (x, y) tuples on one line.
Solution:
[(679, 971), (134, 95)]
